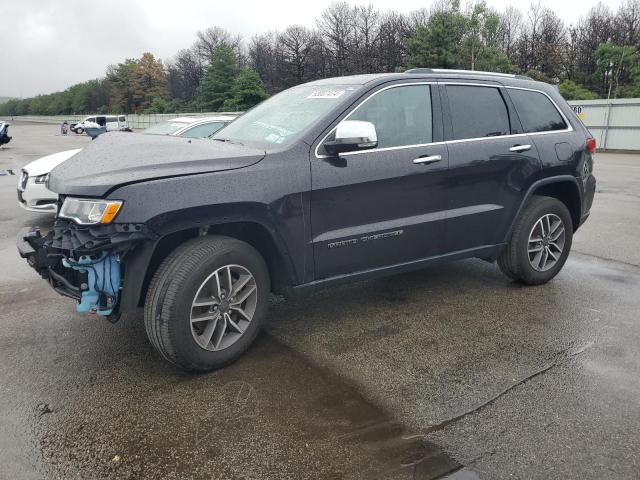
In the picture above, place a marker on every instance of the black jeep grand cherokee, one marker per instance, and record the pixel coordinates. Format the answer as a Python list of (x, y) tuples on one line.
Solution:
[(331, 181)]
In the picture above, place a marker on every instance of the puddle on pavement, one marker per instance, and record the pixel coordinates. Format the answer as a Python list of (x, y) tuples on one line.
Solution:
[(270, 415)]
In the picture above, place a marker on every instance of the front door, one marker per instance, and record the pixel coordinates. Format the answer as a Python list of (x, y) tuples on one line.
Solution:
[(383, 206)]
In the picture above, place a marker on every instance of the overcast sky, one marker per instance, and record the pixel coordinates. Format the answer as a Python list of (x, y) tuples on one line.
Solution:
[(50, 45)]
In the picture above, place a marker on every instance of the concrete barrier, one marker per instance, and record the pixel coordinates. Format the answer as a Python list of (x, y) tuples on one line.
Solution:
[(134, 120)]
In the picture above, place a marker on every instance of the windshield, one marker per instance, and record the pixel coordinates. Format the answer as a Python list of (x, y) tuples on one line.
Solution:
[(281, 118), (164, 128)]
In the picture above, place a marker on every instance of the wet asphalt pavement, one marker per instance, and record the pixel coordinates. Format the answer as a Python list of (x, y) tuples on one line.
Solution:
[(452, 371)]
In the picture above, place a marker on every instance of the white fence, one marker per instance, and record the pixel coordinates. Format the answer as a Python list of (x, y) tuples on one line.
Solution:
[(615, 124), (134, 120)]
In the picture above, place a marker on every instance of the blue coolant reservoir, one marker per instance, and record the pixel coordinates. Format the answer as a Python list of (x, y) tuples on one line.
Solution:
[(103, 282)]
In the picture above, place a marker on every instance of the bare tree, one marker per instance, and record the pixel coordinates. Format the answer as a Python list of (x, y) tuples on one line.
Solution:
[(335, 26), (509, 29), (552, 44), (295, 44), (184, 73), (208, 39), (627, 22), (366, 36), (394, 29), (263, 59), (596, 28)]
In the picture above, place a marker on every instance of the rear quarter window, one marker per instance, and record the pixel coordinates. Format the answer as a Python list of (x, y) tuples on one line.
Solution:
[(536, 111)]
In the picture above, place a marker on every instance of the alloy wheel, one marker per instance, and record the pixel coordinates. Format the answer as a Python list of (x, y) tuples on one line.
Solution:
[(223, 307), (546, 242)]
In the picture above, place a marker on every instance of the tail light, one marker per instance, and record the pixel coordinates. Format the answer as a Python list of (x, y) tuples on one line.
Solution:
[(591, 145)]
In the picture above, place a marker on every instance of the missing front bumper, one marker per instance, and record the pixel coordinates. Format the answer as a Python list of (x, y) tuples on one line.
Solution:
[(31, 246), (82, 262)]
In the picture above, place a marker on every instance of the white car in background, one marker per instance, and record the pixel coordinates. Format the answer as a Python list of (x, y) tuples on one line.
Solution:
[(34, 196), (110, 122)]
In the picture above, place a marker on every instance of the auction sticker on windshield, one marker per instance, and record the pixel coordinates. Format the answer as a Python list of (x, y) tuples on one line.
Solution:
[(326, 93)]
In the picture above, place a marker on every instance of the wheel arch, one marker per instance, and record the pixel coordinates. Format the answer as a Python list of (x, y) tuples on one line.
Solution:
[(562, 187), (145, 259)]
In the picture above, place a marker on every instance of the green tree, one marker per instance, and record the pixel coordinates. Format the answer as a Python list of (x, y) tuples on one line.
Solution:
[(248, 90), (217, 84), (120, 78), (480, 47), (437, 44), (158, 105), (572, 91), (615, 66)]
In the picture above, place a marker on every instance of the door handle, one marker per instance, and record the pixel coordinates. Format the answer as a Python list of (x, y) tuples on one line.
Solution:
[(427, 159), (520, 148)]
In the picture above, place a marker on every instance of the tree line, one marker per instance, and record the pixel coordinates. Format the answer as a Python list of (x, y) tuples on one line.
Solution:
[(597, 57)]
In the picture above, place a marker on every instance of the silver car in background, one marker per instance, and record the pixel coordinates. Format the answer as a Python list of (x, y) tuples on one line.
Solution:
[(190, 127)]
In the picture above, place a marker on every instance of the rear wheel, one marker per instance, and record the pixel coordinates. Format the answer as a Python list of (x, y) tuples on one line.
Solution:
[(207, 302), (540, 242)]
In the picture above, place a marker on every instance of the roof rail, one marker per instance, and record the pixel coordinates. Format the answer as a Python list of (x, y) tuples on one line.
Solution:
[(465, 72)]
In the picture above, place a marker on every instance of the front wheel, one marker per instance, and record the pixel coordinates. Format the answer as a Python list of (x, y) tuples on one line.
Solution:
[(207, 302), (540, 242)]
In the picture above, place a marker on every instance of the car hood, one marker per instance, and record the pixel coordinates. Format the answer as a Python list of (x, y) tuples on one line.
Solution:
[(44, 165), (118, 158)]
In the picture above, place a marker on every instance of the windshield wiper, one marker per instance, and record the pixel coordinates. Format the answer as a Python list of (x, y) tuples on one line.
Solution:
[(227, 140)]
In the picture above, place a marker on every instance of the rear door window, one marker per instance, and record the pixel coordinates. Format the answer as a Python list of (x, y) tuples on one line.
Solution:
[(402, 115), (477, 112), (537, 113)]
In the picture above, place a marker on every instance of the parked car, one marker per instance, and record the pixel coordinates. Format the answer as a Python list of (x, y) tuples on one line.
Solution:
[(190, 127), (325, 183), (33, 195), (110, 123), (4, 133)]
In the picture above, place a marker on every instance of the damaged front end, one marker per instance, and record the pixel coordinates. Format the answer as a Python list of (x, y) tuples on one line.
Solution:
[(83, 262)]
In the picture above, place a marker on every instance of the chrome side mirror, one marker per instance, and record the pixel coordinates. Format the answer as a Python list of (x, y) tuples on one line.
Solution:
[(352, 135)]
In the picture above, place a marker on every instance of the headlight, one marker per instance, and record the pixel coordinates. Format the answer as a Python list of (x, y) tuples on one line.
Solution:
[(90, 212), (41, 178)]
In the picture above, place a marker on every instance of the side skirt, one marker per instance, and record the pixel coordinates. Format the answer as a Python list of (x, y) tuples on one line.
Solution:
[(486, 252)]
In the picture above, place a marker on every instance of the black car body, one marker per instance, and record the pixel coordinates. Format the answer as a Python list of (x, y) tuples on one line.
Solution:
[(457, 159), (4, 133)]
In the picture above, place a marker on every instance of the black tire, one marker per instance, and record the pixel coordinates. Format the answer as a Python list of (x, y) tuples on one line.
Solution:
[(514, 259), (78, 131), (171, 292)]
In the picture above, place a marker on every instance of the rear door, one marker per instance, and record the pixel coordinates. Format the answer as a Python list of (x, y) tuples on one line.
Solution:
[(490, 162), (539, 115), (383, 206)]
